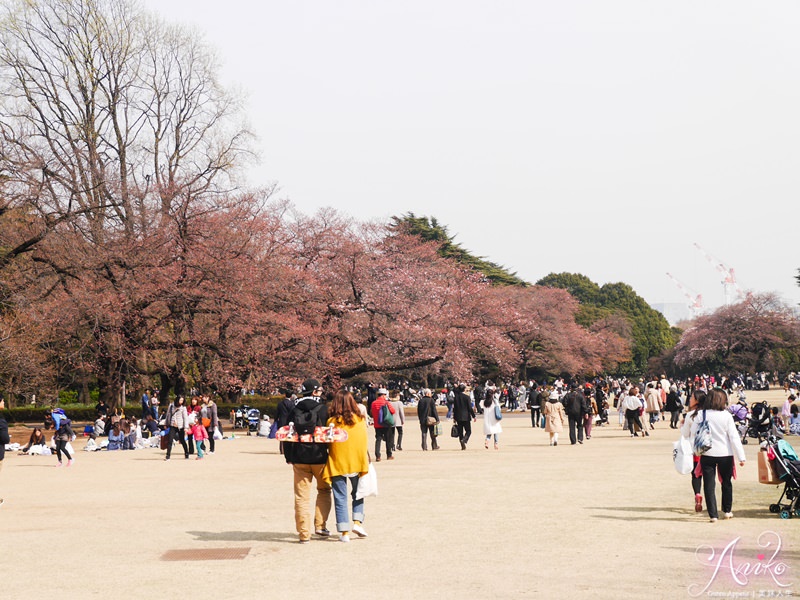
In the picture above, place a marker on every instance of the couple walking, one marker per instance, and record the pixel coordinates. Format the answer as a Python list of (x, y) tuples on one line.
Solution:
[(332, 466)]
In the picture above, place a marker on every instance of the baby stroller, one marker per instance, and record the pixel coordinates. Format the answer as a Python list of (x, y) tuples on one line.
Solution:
[(240, 417), (739, 412), (759, 424), (786, 465), (253, 418)]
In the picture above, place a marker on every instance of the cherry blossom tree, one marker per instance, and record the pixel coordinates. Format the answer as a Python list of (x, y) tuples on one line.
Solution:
[(758, 333)]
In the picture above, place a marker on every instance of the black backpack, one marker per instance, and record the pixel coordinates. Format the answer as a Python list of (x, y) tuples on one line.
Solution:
[(305, 421), (306, 415)]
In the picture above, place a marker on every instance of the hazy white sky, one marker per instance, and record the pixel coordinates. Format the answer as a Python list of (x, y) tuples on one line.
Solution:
[(602, 138)]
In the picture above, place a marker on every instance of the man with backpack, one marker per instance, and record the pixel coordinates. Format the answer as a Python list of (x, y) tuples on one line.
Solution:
[(382, 413), (308, 461)]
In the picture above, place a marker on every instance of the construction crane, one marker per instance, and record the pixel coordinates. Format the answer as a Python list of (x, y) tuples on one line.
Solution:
[(729, 284), (695, 301)]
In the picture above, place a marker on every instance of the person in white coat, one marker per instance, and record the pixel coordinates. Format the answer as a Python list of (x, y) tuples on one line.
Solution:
[(491, 424), (719, 458)]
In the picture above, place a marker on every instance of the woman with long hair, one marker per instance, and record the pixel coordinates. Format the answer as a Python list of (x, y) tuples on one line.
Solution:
[(37, 439), (347, 461), (697, 401), (719, 458)]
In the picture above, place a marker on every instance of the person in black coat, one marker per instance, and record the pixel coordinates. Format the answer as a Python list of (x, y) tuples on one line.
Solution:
[(573, 403), (427, 408), (535, 404), (462, 413), (4, 438)]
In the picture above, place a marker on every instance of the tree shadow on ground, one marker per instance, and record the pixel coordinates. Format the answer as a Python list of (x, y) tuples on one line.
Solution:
[(682, 515), (686, 513), (244, 536)]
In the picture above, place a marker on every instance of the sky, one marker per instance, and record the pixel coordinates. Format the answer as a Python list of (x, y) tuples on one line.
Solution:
[(603, 138)]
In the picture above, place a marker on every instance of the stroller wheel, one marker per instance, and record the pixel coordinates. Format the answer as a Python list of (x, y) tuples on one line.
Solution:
[(797, 512), (785, 514), (774, 508)]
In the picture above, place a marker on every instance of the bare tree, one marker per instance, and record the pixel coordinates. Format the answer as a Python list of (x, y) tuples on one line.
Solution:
[(114, 133)]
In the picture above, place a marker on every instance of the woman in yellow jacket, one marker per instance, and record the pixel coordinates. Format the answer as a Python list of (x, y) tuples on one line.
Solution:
[(347, 460)]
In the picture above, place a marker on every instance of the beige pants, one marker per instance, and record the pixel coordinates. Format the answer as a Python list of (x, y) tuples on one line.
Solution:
[(303, 476)]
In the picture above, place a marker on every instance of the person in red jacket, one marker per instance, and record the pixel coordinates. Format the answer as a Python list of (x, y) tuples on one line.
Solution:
[(382, 432)]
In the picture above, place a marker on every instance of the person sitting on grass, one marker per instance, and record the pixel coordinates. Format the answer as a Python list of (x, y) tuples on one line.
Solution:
[(115, 437), (36, 443)]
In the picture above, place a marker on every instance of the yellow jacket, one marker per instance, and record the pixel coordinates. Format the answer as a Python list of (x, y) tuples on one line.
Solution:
[(351, 456)]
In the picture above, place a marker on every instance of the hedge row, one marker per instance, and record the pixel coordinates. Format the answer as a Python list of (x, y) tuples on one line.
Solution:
[(84, 413)]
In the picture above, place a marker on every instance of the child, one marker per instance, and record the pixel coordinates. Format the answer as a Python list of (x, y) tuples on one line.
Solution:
[(777, 421), (199, 434)]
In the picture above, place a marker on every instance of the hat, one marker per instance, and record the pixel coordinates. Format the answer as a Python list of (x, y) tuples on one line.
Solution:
[(310, 385), (554, 395), (382, 391)]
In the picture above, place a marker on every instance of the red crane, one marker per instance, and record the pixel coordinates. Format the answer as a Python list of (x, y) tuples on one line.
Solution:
[(729, 283), (695, 301)]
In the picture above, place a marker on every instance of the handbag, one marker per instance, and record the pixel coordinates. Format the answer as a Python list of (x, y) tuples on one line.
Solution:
[(431, 421), (682, 456), (367, 484), (437, 429), (702, 438), (454, 431), (497, 414)]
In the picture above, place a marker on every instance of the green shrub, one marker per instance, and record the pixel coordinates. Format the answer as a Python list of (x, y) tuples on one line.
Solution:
[(67, 397)]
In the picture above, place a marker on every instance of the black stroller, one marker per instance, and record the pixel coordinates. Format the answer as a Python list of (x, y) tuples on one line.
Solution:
[(787, 467), (759, 424)]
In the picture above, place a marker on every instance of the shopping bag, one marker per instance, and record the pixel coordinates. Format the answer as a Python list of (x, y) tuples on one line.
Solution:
[(367, 484), (766, 474), (682, 456)]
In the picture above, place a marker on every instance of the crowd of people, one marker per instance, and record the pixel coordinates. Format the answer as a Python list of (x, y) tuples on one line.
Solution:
[(712, 406)]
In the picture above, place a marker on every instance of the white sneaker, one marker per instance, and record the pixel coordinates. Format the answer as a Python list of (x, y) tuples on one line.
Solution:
[(359, 531), (728, 515), (344, 538)]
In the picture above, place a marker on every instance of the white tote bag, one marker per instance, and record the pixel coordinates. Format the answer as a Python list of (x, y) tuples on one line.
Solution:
[(367, 484), (682, 456)]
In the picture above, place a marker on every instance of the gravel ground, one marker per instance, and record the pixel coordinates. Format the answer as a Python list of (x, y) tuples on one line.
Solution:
[(607, 519)]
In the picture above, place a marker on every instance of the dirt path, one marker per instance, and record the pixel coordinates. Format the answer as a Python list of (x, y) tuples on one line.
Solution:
[(608, 519)]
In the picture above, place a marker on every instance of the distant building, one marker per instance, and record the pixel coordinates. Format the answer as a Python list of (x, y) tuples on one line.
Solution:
[(674, 312)]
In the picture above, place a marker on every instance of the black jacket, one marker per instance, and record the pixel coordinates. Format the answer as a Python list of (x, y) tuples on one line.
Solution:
[(462, 407), (4, 439), (426, 408), (307, 453), (573, 403)]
